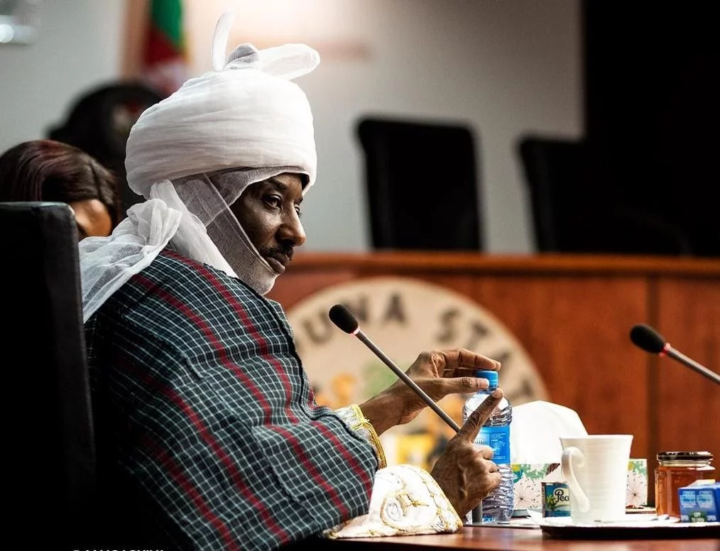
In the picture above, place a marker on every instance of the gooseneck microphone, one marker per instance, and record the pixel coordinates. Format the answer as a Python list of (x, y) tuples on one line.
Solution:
[(648, 339), (343, 318)]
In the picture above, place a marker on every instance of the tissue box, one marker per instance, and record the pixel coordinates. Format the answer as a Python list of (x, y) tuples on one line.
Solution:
[(700, 502), (526, 483), (528, 492), (637, 484)]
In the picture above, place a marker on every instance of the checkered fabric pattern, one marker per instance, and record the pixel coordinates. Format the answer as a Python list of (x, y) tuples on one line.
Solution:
[(207, 426)]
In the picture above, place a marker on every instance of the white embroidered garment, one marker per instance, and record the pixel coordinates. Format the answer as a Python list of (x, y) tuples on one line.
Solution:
[(405, 501), (354, 418)]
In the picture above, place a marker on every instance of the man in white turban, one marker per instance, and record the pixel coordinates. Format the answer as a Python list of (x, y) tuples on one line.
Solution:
[(208, 434)]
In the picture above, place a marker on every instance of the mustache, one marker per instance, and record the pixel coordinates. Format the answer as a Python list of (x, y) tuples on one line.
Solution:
[(287, 251)]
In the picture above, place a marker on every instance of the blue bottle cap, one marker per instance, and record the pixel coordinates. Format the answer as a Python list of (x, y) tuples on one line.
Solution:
[(491, 376)]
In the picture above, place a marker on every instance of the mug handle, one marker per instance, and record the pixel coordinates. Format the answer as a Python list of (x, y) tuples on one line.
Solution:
[(572, 455)]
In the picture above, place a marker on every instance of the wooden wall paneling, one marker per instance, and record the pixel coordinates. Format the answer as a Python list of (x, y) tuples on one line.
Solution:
[(576, 331), (293, 286), (457, 282), (687, 404), (572, 314)]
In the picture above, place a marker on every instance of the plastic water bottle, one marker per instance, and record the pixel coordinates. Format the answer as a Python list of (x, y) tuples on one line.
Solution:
[(498, 506)]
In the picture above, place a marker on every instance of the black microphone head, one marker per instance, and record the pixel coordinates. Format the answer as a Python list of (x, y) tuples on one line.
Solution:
[(343, 318), (647, 338)]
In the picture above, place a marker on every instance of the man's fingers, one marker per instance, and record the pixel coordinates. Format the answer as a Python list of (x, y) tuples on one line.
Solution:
[(462, 385), (463, 359), (485, 451), (438, 388), (477, 418)]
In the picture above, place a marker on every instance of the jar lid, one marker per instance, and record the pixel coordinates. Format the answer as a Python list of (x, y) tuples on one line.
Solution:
[(684, 456)]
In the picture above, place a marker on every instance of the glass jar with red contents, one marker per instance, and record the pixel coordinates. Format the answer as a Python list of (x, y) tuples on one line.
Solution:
[(677, 470)]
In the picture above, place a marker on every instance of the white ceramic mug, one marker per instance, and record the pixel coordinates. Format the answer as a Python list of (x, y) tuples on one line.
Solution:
[(595, 468)]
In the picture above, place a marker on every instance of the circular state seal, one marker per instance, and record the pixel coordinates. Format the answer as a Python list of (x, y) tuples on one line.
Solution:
[(403, 317)]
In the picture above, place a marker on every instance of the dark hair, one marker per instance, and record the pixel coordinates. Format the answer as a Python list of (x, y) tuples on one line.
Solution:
[(46, 170)]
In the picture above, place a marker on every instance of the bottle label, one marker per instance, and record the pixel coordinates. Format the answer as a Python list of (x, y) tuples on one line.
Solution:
[(498, 438)]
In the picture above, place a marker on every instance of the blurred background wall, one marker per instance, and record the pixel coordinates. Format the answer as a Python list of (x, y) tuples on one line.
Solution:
[(505, 68), (79, 44)]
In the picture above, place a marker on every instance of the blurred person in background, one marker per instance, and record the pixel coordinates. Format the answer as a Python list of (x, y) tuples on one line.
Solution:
[(46, 170)]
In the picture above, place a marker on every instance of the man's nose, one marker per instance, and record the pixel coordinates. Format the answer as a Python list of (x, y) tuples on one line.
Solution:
[(292, 229)]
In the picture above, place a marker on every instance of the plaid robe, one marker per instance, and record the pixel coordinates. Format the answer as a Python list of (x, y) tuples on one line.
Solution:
[(208, 433)]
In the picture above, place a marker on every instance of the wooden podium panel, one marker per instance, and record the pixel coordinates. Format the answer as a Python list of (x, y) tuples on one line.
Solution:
[(688, 405), (573, 315), (578, 339)]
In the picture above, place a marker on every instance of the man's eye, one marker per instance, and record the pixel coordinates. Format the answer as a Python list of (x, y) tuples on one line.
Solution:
[(298, 210), (274, 201)]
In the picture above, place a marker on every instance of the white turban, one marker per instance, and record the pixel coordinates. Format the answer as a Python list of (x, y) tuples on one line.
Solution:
[(245, 116)]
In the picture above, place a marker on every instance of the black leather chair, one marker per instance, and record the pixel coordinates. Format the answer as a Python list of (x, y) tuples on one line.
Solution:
[(49, 485), (576, 208), (422, 185)]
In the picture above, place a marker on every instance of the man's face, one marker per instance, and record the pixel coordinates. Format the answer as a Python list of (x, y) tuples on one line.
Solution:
[(269, 212)]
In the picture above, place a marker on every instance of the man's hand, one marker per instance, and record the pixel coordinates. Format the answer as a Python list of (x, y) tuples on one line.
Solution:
[(465, 471), (438, 373)]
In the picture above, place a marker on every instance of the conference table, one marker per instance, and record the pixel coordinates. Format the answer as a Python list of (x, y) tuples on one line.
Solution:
[(524, 539)]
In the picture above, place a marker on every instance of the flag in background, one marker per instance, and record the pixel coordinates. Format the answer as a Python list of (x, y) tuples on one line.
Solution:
[(164, 59)]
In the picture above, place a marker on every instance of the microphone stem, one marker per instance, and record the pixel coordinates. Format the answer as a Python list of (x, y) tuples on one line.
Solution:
[(682, 358), (408, 381)]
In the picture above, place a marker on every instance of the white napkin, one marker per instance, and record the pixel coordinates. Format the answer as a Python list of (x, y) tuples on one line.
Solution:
[(536, 430)]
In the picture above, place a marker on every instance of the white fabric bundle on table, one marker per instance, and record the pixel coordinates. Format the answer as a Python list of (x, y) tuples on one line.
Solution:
[(536, 430)]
